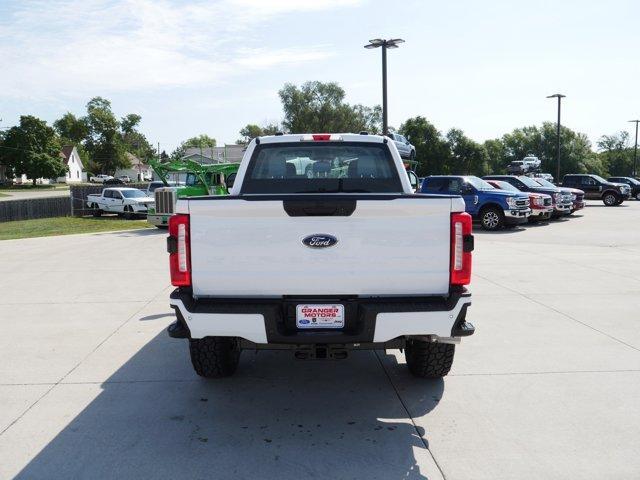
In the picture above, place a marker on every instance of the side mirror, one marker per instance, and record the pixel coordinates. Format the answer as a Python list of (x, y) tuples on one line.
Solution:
[(230, 180), (467, 190), (413, 180)]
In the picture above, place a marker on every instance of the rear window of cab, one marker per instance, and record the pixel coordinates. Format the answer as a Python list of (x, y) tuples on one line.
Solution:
[(321, 167)]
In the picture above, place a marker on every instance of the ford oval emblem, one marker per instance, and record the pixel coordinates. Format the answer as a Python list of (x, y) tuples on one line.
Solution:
[(319, 240)]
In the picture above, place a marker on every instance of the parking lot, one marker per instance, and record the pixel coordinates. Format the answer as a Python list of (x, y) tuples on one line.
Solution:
[(548, 387)]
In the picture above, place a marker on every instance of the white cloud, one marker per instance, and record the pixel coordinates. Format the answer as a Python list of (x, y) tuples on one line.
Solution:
[(79, 47)]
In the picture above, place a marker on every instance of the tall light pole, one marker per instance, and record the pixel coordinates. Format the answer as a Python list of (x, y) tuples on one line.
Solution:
[(634, 174), (559, 96), (392, 43)]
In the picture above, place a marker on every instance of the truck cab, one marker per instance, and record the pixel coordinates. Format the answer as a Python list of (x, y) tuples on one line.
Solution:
[(493, 208)]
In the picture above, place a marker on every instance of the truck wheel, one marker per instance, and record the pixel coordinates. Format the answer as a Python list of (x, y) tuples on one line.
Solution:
[(638, 196), (610, 199), (214, 357), (96, 211), (491, 218), (429, 359), (128, 212)]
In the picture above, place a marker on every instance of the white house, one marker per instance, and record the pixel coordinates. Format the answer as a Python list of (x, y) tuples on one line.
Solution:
[(69, 155)]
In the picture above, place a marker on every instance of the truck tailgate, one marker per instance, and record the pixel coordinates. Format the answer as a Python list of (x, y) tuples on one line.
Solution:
[(385, 247)]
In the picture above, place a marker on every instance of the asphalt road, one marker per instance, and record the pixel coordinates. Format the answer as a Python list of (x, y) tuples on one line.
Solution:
[(549, 387)]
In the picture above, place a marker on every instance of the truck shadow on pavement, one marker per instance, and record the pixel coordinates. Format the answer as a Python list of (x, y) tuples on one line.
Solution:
[(276, 418)]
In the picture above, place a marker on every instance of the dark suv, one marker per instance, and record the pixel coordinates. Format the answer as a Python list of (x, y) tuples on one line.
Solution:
[(562, 201), (597, 188), (634, 185)]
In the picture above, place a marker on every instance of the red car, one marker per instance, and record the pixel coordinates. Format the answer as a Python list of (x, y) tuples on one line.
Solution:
[(540, 203), (577, 195)]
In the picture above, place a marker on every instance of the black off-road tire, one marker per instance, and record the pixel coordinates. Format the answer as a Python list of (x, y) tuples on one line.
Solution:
[(610, 199), (429, 359), (128, 212), (96, 211), (214, 357), (491, 218)]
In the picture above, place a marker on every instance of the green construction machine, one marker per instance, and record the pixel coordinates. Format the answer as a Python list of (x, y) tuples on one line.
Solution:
[(209, 179)]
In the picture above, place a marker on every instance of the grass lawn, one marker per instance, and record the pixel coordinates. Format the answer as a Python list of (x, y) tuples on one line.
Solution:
[(46, 227), (4, 195)]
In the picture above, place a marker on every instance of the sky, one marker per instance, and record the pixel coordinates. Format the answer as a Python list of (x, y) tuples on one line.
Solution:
[(214, 66)]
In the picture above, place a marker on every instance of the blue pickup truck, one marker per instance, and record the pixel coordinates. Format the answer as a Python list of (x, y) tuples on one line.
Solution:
[(493, 208)]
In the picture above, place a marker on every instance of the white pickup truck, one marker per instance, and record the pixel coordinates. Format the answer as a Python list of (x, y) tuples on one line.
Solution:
[(123, 201), (345, 258), (100, 178)]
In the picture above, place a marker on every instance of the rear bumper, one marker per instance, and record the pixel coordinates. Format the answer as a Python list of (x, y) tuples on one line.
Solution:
[(367, 320)]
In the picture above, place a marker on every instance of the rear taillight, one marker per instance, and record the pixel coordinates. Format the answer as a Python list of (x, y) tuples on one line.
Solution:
[(179, 248), (461, 248)]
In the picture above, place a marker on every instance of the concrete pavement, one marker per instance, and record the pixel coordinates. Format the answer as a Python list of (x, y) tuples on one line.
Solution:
[(91, 386), (26, 194)]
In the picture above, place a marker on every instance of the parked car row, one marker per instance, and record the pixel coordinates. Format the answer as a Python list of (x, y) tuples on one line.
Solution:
[(110, 180), (498, 201)]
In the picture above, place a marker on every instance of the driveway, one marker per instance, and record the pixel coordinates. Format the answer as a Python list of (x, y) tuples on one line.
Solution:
[(548, 388), (25, 194)]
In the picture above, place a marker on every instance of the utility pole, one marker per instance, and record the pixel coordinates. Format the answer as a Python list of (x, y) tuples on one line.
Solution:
[(634, 173), (385, 44), (559, 96)]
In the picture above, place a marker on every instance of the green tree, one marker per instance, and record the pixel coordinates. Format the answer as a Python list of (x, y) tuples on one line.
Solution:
[(251, 131), (614, 155), (135, 142), (466, 156), (32, 148), (432, 150), (73, 131), (104, 141), (320, 107), (496, 155), (71, 128), (200, 141), (575, 147), (129, 123)]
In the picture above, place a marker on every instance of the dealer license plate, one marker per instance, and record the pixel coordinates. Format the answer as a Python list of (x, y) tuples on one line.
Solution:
[(320, 316)]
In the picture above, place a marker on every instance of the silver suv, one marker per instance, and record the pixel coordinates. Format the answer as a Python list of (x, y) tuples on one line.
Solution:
[(405, 149)]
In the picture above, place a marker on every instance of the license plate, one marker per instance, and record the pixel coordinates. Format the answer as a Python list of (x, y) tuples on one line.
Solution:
[(320, 316)]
